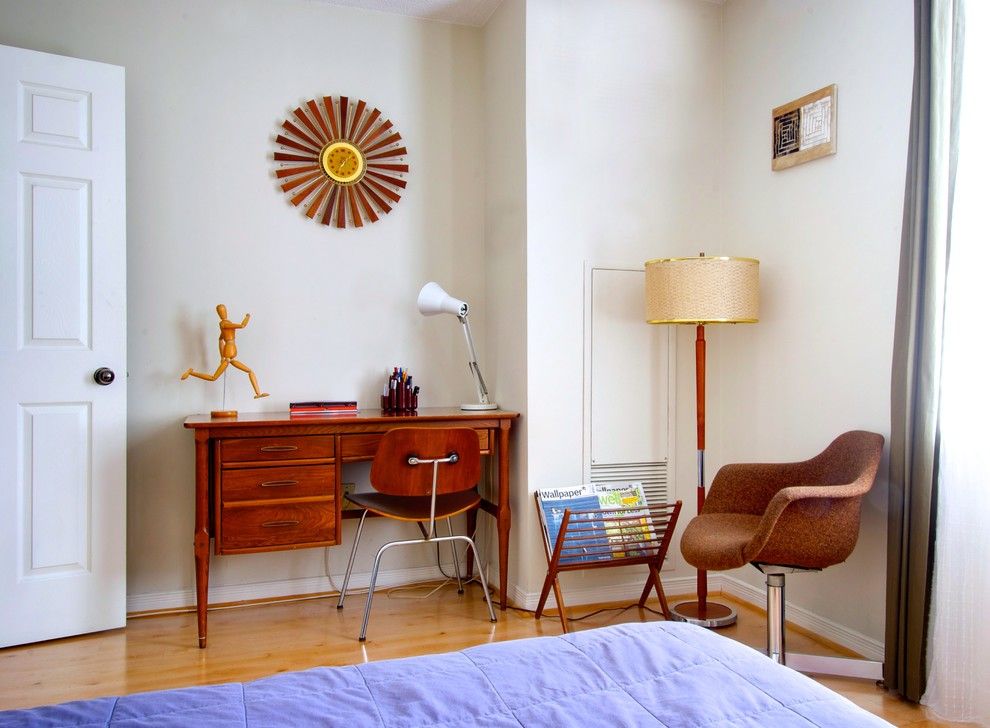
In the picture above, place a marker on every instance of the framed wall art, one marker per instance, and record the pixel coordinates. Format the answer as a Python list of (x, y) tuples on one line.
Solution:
[(804, 129)]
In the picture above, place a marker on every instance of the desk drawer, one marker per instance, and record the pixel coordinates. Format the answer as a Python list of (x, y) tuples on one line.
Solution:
[(359, 446), (284, 525), (263, 449), (283, 481), (364, 447)]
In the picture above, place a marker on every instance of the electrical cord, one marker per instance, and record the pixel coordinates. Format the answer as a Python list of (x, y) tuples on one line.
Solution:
[(326, 569), (480, 551), (620, 610), (437, 586)]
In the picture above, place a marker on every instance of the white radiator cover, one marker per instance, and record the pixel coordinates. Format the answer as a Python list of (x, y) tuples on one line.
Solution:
[(629, 385), (653, 476)]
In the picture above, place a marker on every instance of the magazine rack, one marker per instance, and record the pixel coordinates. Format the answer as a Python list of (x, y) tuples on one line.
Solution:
[(606, 537)]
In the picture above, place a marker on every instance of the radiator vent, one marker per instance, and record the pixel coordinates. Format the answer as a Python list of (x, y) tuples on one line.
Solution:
[(653, 476)]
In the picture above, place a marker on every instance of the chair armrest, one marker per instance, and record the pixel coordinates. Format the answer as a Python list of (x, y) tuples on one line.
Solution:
[(790, 531), (749, 487)]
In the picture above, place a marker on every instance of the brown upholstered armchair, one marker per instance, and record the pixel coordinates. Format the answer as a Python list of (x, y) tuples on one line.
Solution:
[(785, 517)]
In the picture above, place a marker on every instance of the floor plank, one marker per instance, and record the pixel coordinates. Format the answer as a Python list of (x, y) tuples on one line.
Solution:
[(249, 642)]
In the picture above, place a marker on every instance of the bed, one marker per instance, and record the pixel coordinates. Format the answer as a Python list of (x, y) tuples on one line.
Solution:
[(654, 674)]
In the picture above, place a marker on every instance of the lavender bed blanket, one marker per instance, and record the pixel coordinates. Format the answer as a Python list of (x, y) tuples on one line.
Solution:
[(656, 674)]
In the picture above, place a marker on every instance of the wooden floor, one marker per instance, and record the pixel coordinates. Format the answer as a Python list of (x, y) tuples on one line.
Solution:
[(250, 642)]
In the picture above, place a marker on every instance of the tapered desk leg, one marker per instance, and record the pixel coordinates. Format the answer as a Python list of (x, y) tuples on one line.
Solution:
[(201, 537), (504, 514)]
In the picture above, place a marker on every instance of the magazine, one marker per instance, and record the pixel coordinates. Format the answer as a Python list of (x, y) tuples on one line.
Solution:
[(623, 536), (626, 535), (553, 502)]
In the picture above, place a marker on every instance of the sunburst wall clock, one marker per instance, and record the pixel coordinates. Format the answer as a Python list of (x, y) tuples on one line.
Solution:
[(341, 161)]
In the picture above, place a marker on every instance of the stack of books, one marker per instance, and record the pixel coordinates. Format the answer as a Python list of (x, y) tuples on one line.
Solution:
[(333, 407)]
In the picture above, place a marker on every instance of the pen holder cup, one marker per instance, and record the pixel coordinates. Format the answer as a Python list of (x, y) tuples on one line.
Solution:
[(399, 400)]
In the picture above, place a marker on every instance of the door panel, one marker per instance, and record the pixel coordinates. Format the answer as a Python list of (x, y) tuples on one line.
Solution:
[(62, 260), (55, 116), (54, 524), (54, 265)]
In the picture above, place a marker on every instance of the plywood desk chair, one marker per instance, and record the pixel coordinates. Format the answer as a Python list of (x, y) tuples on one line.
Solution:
[(407, 488), (788, 517)]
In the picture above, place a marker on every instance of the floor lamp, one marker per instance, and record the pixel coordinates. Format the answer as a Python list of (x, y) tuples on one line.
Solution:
[(699, 291)]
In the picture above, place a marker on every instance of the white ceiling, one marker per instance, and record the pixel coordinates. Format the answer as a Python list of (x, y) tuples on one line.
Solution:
[(461, 12)]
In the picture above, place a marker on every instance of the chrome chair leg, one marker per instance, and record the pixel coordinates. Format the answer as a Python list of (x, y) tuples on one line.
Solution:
[(437, 539), (371, 587), (350, 561), (453, 551), (481, 576)]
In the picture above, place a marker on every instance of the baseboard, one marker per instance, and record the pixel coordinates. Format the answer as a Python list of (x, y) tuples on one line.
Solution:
[(858, 642), (185, 598)]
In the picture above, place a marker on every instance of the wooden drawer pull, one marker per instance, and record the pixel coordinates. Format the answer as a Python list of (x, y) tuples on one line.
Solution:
[(278, 483), (278, 524), (279, 448)]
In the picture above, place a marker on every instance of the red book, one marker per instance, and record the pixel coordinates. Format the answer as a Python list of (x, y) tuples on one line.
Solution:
[(324, 413), (323, 409), (332, 404)]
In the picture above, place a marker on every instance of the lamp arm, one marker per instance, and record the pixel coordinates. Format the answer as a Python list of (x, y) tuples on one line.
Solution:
[(479, 380)]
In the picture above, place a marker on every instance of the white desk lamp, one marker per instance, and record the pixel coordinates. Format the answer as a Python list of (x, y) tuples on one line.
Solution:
[(433, 300)]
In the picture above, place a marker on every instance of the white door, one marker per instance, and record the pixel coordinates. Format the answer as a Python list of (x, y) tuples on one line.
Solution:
[(62, 272)]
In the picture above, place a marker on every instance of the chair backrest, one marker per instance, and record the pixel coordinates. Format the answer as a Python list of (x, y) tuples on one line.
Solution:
[(818, 531), (851, 459), (392, 474)]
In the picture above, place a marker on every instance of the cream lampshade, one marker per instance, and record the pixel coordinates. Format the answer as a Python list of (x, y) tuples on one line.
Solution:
[(706, 289), (699, 291)]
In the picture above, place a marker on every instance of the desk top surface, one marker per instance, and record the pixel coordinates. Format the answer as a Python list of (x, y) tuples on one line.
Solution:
[(424, 414)]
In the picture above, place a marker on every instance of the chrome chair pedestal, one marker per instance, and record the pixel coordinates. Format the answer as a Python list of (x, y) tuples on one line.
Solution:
[(817, 664)]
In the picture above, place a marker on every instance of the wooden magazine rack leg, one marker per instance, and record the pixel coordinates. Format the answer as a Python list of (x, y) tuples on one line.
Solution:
[(653, 582), (603, 538)]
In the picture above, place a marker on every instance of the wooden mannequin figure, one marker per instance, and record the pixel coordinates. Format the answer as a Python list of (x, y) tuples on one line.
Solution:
[(228, 353)]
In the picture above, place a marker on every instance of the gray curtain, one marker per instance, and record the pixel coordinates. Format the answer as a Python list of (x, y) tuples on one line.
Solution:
[(917, 351)]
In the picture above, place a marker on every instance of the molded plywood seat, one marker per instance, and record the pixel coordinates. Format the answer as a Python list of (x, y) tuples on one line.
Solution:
[(408, 491), (416, 507)]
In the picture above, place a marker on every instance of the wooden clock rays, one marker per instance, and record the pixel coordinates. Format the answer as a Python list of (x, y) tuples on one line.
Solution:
[(341, 161)]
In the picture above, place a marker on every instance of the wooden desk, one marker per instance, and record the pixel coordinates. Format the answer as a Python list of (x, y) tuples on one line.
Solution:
[(271, 481)]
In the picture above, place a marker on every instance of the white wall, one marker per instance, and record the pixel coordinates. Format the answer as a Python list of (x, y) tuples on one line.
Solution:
[(828, 237), (647, 136), (622, 128), (207, 85), (504, 40)]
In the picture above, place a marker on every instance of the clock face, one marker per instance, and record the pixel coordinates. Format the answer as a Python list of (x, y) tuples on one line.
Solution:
[(342, 162)]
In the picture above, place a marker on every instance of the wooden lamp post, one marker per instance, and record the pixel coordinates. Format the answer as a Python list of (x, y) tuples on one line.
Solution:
[(699, 291)]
